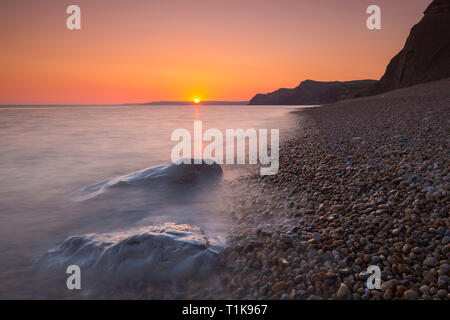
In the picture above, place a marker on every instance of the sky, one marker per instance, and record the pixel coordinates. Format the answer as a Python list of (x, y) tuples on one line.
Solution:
[(130, 51)]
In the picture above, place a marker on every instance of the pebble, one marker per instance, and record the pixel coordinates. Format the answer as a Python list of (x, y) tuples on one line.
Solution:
[(442, 293), (343, 291), (430, 262), (388, 285), (388, 295), (410, 294), (278, 286)]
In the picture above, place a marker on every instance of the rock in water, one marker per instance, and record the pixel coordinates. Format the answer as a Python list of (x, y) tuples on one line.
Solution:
[(170, 176), (156, 253), (425, 56)]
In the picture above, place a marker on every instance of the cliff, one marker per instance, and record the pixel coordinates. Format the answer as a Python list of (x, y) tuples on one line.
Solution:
[(311, 92), (426, 54)]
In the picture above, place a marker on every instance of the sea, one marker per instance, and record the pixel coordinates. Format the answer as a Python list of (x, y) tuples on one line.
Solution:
[(95, 187)]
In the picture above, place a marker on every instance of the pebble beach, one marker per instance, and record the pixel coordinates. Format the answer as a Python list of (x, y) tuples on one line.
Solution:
[(361, 182)]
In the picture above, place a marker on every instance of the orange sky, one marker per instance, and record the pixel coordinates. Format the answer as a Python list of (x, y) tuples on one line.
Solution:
[(143, 50)]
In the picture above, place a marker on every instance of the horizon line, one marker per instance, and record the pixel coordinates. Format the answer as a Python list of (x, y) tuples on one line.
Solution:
[(162, 102)]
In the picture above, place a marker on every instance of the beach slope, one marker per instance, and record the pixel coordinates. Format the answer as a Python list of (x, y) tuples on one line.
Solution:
[(362, 182)]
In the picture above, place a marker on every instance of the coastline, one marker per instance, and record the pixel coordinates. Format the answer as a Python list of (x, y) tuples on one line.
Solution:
[(361, 182)]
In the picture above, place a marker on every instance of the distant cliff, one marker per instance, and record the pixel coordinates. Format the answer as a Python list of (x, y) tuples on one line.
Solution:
[(311, 92), (426, 55)]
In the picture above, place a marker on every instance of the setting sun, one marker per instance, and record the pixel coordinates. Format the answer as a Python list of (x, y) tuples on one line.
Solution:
[(196, 100)]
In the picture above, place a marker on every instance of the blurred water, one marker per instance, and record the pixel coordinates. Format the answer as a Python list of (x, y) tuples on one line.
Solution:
[(48, 153)]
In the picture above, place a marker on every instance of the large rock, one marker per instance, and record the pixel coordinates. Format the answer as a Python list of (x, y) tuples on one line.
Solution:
[(311, 92), (158, 254), (166, 178), (426, 54)]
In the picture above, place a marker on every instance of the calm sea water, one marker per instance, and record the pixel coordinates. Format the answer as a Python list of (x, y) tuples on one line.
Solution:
[(48, 153)]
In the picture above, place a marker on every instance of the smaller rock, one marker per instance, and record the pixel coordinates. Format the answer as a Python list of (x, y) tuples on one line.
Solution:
[(403, 268), (388, 295), (316, 236), (430, 262), (284, 262), (388, 285), (343, 291), (278, 286), (410, 294), (363, 276), (442, 293), (424, 289), (428, 276), (298, 279)]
